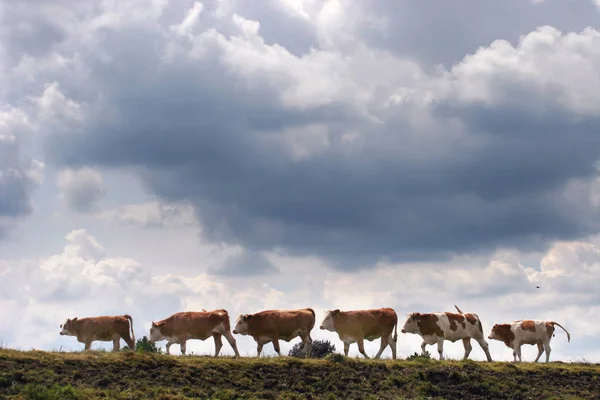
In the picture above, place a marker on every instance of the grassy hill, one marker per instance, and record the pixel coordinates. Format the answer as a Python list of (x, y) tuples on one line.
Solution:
[(127, 375)]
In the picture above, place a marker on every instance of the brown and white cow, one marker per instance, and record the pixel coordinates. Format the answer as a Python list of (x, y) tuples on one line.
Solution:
[(360, 325), (527, 331), (439, 326), (183, 326), (104, 329), (274, 325)]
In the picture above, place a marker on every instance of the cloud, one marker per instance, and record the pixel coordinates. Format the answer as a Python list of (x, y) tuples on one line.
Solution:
[(151, 215), (245, 263), (81, 189), (19, 173), (348, 151)]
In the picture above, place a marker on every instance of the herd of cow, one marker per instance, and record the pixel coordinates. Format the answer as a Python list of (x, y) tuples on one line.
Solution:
[(351, 326)]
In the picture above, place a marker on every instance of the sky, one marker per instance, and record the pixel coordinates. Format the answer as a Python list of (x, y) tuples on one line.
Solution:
[(158, 157)]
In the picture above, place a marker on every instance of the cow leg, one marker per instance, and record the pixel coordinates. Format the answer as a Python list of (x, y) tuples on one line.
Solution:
[(116, 344), (232, 343), (547, 348), (515, 352), (127, 338), (168, 347), (468, 347), (276, 345), (485, 347), (346, 348), (182, 346), (384, 343), (259, 348), (361, 348), (307, 340), (440, 345), (423, 345), (88, 345), (218, 343), (392, 344), (540, 346)]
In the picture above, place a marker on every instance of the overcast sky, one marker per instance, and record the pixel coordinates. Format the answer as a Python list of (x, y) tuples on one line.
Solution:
[(158, 156)]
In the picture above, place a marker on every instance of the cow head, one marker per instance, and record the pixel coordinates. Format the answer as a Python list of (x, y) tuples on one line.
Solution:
[(328, 322), (501, 332), (68, 327), (411, 325), (155, 332), (242, 324)]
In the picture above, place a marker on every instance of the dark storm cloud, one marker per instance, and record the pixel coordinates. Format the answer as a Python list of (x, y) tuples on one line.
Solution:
[(198, 132)]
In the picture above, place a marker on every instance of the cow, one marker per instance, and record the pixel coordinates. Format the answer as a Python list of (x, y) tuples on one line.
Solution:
[(104, 329), (182, 326), (274, 325), (527, 331), (356, 326), (439, 326)]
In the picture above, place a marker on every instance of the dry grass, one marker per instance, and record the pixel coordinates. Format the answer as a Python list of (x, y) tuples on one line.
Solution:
[(126, 375)]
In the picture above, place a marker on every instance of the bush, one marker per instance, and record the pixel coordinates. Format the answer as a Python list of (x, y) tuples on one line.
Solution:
[(335, 358), (320, 348), (419, 357), (143, 345)]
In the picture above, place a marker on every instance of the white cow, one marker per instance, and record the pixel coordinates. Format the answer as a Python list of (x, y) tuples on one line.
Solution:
[(527, 331), (436, 327)]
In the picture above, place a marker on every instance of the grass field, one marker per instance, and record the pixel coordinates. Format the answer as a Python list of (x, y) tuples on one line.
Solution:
[(127, 375)]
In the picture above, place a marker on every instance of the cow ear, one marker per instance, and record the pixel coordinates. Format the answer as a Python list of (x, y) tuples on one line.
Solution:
[(160, 324), (153, 324), (336, 311), (248, 317), (74, 319)]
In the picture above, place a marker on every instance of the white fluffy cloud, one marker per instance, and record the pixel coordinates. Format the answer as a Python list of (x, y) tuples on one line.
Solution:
[(543, 63)]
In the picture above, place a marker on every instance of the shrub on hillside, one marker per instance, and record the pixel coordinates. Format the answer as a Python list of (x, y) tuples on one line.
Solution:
[(419, 357), (143, 345), (320, 348)]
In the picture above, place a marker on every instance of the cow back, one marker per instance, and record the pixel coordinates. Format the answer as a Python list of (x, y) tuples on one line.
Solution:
[(101, 328), (281, 322), (194, 324), (366, 323)]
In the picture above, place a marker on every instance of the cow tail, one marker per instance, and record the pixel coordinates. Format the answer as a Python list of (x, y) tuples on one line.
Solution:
[(396, 330), (458, 309), (130, 326), (568, 334), (314, 317)]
